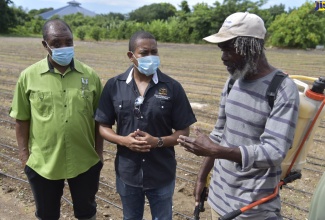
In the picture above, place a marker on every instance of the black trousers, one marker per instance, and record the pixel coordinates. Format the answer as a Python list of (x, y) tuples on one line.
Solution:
[(47, 193)]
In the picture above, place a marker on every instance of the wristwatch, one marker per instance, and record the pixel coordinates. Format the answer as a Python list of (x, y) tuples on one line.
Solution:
[(160, 142)]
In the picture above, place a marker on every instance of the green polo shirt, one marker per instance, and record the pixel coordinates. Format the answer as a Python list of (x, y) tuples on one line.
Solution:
[(60, 109)]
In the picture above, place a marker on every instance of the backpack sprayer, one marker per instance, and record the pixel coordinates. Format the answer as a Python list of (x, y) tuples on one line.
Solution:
[(311, 111)]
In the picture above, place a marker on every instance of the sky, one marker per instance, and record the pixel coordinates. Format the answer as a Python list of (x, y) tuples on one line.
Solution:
[(126, 6)]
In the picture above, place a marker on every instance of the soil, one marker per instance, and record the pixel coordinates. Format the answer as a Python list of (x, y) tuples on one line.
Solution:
[(16, 200)]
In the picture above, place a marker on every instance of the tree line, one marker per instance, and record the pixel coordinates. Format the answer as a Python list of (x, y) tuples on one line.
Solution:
[(301, 27)]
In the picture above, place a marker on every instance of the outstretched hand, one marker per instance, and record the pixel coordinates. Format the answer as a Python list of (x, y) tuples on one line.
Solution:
[(200, 146)]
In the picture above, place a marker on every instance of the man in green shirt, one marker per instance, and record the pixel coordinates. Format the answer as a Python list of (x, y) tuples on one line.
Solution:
[(58, 139)]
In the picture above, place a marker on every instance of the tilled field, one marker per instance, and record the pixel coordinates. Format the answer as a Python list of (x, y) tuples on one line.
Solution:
[(199, 70)]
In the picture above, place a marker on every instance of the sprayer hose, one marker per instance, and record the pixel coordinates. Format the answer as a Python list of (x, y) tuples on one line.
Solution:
[(299, 77)]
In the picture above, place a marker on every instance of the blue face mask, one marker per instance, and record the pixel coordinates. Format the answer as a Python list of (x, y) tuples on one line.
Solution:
[(63, 55), (148, 65)]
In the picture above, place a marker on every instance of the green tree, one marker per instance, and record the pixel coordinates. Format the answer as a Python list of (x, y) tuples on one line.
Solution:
[(7, 16), (179, 30), (95, 33), (35, 12), (81, 32), (113, 16), (184, 7), (302, 28), (200, 21), (77, 20), (156, 11), (269, 15), (20, 16), (185, 11), (160, 30), (228, 7)]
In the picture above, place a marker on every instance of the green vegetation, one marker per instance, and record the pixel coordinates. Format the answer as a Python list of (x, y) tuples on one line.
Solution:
[(301, 27)]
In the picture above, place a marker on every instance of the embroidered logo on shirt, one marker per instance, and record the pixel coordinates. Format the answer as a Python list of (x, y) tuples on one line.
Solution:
[(162, 91), (162, 94), (84, 86), (84, 83)]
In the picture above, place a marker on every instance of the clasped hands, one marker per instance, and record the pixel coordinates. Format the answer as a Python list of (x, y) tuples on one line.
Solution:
[(140, 141)]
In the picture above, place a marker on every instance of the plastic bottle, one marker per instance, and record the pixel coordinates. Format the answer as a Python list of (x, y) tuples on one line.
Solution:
[(310, 101)]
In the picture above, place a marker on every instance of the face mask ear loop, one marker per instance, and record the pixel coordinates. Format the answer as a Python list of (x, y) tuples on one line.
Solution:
[(48, 46), (133, 55), (136, 59)]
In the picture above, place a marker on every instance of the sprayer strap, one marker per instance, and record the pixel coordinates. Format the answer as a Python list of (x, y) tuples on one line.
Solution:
[(274, 86), (230, 84), (271, 90)]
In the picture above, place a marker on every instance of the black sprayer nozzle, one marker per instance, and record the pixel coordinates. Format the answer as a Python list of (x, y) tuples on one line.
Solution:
[(319, 85)]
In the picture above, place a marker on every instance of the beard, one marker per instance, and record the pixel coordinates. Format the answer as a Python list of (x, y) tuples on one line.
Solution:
[(249, 69)]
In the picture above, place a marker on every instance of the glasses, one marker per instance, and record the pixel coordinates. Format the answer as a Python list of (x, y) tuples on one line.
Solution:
[(137, 104)]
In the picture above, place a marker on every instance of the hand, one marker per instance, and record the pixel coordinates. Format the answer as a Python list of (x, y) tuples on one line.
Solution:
[(200, 146), (198, 189), (23, 158), (144, 136), (101, 157), (133, 142)]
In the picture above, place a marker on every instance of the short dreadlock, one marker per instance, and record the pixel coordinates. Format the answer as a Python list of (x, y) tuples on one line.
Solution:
[(249, 47)]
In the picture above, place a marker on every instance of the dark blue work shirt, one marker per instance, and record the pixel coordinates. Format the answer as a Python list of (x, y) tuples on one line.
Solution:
[(165, 107)]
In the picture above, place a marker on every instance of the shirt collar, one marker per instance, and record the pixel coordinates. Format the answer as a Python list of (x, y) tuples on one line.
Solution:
[(130, 77)]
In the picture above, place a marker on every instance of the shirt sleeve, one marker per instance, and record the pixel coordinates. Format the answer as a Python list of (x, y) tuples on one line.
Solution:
[(217, 131), (105, 113), (99, 89), (182, 113), (278, 134), (20, 106)]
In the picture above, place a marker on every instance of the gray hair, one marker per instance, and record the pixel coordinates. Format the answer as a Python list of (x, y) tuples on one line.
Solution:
[(249, 47)]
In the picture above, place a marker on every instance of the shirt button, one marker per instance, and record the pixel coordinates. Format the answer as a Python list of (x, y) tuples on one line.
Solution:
[(63, 90), (141, 116), (162, 106), (143, 160), (120, 106), (65, 105), (66, 121)]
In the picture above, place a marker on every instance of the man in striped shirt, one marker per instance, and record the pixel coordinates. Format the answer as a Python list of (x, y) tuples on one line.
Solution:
[(250, 138)]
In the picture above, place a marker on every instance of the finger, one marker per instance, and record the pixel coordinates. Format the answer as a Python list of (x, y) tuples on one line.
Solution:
[(188, 139), (141, 133), (188, 149), (138, 141), (134, 134), (141, 149), (197, 130), (180, 141), (181, 137)]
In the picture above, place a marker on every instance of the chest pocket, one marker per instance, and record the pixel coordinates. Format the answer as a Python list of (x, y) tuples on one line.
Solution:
[(41, 103), (86, 98), (159, 110), (165, 107), (124, 111)]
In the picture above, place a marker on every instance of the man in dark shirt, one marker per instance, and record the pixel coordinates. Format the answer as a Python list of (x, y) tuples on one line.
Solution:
[(151, 110)]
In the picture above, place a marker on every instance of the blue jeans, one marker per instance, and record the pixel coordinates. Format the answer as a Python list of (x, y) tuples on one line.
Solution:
[(133, 199)]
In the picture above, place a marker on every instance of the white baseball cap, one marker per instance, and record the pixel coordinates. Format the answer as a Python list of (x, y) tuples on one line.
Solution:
[(239, 24)]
